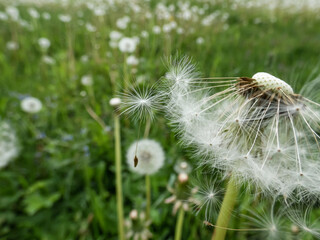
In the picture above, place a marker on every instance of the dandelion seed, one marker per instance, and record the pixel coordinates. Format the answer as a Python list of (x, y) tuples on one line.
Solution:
[(271, 225), (141, 103), (208, 197), (304, 225)]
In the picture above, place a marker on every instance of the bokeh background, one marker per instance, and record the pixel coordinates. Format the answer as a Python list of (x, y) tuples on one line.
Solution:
[(67, 54)]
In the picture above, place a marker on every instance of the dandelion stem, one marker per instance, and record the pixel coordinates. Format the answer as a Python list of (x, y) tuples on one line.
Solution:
[(118, 176), (179, 224), (148, 197), (225, 211), (148, 185)]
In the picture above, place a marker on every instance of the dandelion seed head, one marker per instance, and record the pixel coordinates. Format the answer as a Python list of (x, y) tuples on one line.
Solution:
[(150, 154), (267, 81), (8, 144), (31, 105), (256, 128)]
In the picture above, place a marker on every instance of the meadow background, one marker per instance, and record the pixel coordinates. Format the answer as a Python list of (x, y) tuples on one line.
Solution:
[(62, 183)]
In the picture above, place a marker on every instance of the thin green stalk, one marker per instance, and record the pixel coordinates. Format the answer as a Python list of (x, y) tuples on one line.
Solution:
[(179, 224), (118, 176), (225, 211), (148, 196), (148, 184)]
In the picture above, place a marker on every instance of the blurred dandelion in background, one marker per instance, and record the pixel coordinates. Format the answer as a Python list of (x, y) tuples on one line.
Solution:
[(150, 154), (44, 43), (31, 105), (9, 148), (127, 45)]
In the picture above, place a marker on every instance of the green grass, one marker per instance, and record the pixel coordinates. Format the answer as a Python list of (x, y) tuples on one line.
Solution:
[(62, 185)]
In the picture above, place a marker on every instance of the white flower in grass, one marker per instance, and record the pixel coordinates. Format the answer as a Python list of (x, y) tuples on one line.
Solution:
[(200, 40), (13, 13), (33, 13), (122, 23), (115, 35), (44, 43), (3, 16), (150, 156), (90, 27), (46, 16), (11, 45), (144, 34), (156, 29), (64, 18), (86, 80), (31, 105), (8, 144), (132, 60), (99, 12), (127, 45), (256, 128), (48, 60)]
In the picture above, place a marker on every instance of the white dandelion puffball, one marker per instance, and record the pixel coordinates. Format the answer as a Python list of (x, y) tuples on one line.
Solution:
[(256, 128), (31, 105), (150, 156), (64, 18), (8, 144), (132, 60), (12, 45), (127, 45), (115, 35), (86, 80), (44, 43)]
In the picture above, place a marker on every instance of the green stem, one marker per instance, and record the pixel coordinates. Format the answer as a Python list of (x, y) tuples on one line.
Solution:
[(225, 211), (148, 196), (179, 224), (118, 176)]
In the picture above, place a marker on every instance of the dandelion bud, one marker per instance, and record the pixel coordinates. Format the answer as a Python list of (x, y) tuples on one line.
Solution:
[(133, 214), (183, 178)]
